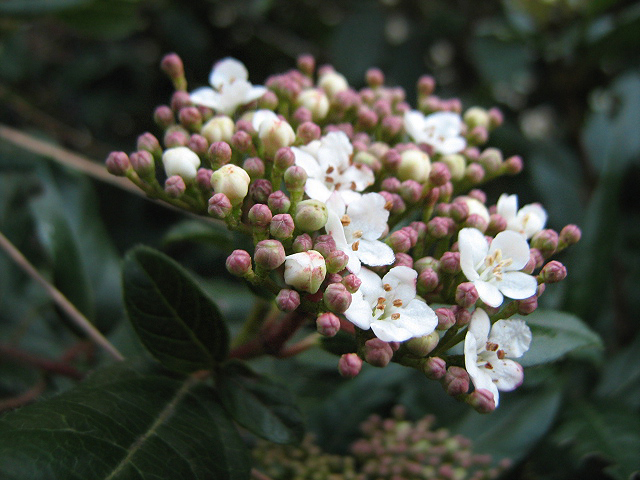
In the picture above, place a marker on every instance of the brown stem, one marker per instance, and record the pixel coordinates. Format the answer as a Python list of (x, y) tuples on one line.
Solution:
[(258, 475), (24, 398), (50, 366)]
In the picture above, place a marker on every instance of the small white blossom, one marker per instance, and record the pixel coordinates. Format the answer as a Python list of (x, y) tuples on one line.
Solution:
[(333, 83), (487, 352), (356, 229), (180, 161), (441, 130), (305, 270), (494, 269), (527, 221), (231, 88), (389, 306), (273, 131), (327, 162)]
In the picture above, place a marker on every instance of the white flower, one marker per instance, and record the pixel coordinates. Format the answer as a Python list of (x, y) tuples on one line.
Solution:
[(305, 270), (494, 269), (180, 161), (441, 130), (328, 166), (528, 221), (356, 229), (486, 355), (230, 88), (333, 83), (274, 131), (389, 306)]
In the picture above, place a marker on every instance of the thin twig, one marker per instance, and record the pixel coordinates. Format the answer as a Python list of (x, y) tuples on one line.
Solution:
[(56, 295), (258, 475), (50, 366), (24, 398)]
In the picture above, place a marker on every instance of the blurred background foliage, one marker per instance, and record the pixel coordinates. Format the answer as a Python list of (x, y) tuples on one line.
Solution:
[(84, 75)]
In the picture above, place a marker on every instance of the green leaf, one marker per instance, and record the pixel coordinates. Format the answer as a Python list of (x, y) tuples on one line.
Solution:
[(124, 422), (260, 405), (203, 232), (607, 430), (175, 320), (37, 7), (515, 427), (555, 334), (620, 378), (339, 344)]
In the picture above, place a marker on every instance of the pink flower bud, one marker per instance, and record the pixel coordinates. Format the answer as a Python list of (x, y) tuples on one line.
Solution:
[(410, 191), (434, 368), (450, 262), (281, 226), (497, 224), (219, 206), (302, 243), (477, 221), (295, 178), (391, 126), (478, 195), (399, 241), (513, 165), (242, 142), (171, 65), (440, 174), (143, 164), (446, 318), (546, 241), (311, 215), (176, 137), (308, 131), (426, 262), (260, 190), (305, 270), (190, 118), (306, 64), (527, 305), (349, 365), (284, 158), (179, 100), (336, 297), (254, 166), (474, 173), (174, 186), (392, 159), (288, 300), (219, 153), (336, 261), (422, 346), (268, 101), (495, 118), (553, 272), (328, 324), (459, 211), (163, 116), (569, 235), (440, 227), (463, 316), (427, 281), (466, 295), (390, 184), (259, 215), (352, 282), (377, 352), (303, 115), (239, 263), (198, 144), (278, 202), (118, 163), (269, 254), (456, 381), (403, 260), (325, 244), (482, 401), (147, 141), (374, 78), (426, 85)]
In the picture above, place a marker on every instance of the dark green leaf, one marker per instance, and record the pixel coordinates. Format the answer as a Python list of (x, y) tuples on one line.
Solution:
[(515, 427), (555, 334), (606, 430), (175, 320), (124, 422), (339, 344), (199, 231), (260, 405), (620, 379)]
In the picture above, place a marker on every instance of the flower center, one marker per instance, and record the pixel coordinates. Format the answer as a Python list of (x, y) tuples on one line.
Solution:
[(492, 266), (382, 303)]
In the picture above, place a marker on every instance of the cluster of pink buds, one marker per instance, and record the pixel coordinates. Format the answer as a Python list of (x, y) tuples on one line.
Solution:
[(392, 448), (364, 213)]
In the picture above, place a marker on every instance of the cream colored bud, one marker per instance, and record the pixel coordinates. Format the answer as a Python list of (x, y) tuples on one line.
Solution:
[(231, 180), (456, 164), (476, 117), (333, 83), (218, 129), (414, 165), (476, 207), (275, 134), (315, 101), (305, 271), (181, 161)]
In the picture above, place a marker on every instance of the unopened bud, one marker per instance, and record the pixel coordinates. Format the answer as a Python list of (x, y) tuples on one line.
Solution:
[(325, 244), (147, 141), (311, 215), (423, 346), (198, 145), (491, 160), (239, 263), (427, 281), (233, 181), (337, 261), (163, 116), (179, 100), (269, 254), (171, 64), (219, 206), (446, 318), (295, 178), (336, 297), (456, 381), (403, 260), (497, 224), (426, 262), (302, 243), (260, 190), (242, 142), (390, 184), (316, 102), (463, 316), (181, 161), (466, 295), (219, 153), (275, 134), (513, 165), (546, 241), (281, 226), (456, 165), (352, 282), (349, 365), (435, 368), (415, 165), (527, 305), (450, 262), (306, 64), (279, 202), (495, 118), (328, 324), (377, 352), (190, 118), (553, 272), (218, 129), (399, 241), (569, 235), (284, 158), (176, 137), (287, 300), (308, 131), (474, 173), (143, 164), (440, 227), (478, 135), (476, 117), (118, 163), (174, 186), (476, 221), (259, 215), (305, 271), (426, 85), (410, 191), (481, 400), (374, 77), (332, 83)]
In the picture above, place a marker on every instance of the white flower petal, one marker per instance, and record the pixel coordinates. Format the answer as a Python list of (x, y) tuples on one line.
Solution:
[(513, 337), (531, 219), (488, 293), (479, 326), (359, 176), (513, 246), (371, 286), (359, 312), (260, 116), (506, 374), (206, 97), (226, 71), (317, 190), (473, 249), (517, 285), (336, 230), (402, 281), (374, 253), (451, 145), (368, 216), (507, 206), (337, 203), (254, 93), (418, 312), (479, 376)]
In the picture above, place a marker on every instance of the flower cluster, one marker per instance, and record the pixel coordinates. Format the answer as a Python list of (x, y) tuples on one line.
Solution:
[(392, 448), (366, 218)]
